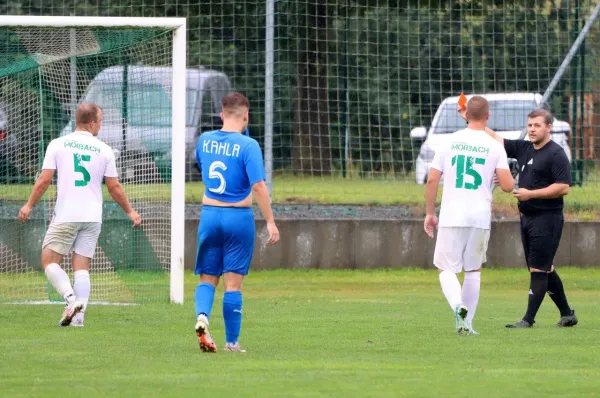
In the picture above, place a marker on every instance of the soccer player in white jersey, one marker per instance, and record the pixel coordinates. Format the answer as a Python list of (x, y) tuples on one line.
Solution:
[(82, 162), (468, 162)]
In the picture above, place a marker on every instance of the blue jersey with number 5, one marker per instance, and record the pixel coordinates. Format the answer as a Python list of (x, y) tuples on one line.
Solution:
[(231, 163)]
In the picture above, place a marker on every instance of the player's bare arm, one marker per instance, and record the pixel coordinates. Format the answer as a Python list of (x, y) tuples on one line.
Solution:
[(261, 193), (556, 190), (38, 191), (505, 180), (431, 191), (115, 189)]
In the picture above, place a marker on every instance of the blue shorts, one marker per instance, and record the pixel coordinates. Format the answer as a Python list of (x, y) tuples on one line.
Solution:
[(225, 240)]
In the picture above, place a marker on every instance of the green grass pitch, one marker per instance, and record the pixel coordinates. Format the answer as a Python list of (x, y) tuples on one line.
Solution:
[(314, 334)]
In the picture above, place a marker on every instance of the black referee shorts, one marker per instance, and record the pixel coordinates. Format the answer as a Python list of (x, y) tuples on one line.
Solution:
[(540, 234)]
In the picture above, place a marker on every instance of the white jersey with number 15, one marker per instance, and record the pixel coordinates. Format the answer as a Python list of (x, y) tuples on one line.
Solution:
[(468, 163), (81, 162)]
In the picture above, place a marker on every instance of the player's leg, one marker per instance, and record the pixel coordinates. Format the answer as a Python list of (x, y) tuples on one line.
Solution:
[(239, 232), (556, 290), (449, 247), (204, 298), (536, 239), (470, 295), (81, 286), (209, 265), (61, 239), (84, 249), (57, 244), (474, 256), (205, 294), (232, 310)]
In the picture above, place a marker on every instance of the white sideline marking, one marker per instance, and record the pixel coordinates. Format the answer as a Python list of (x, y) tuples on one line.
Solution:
[(47, 302)]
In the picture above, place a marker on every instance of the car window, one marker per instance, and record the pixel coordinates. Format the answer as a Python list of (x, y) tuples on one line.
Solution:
[(505, 115)]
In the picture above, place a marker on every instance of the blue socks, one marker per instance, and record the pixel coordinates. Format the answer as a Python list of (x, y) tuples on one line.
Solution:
[(232, 315), (205, 295), (232, 309)]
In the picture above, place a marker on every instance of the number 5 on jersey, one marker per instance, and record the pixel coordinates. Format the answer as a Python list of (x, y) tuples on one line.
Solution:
[(79, 168), (213, 173), (464, 165)]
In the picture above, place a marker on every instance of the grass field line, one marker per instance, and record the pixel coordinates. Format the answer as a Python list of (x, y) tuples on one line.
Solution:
[(60, 303)]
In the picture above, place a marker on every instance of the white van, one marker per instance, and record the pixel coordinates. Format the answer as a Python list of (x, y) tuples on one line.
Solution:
[(508, 117), (141, 139)]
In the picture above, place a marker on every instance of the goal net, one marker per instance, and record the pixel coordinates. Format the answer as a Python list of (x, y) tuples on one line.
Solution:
[(47, 66)]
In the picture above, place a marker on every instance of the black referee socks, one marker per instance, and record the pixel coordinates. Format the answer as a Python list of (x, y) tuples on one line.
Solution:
[(537, 290), (557, 294)]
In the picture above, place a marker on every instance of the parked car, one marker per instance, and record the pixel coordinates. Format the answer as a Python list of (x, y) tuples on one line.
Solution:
[(142, 139), (8, 144), (508, 117)]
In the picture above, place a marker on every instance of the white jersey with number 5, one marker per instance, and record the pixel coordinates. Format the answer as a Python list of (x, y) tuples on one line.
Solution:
[(81, 161), (468, 163)]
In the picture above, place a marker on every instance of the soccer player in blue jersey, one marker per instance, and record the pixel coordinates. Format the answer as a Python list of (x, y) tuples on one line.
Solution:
[(232, 171)]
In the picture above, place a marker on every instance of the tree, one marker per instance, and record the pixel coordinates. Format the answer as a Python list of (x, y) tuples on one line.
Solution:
[(311, 147)]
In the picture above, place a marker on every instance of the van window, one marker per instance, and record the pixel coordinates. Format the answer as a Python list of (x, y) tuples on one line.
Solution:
[(149, 104)]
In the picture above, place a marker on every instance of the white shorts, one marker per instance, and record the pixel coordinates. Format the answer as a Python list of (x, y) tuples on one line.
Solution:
[(80, 237), (458, 248)]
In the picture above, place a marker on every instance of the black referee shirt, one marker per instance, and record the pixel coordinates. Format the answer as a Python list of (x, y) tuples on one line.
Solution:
[(539, 168)]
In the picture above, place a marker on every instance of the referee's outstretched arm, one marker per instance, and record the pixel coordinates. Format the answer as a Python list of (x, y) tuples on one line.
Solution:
[(494, 135)]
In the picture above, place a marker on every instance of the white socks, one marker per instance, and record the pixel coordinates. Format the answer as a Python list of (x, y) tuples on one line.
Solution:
[(451, 288), (470, 293), (467, 296), (60, 280), (81, 286)]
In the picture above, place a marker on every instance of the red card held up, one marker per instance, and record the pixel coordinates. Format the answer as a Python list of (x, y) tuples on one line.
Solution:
[(462, 101)]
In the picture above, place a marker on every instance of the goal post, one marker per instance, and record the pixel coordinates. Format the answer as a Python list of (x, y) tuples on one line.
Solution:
[(178, 181), (135, 69)]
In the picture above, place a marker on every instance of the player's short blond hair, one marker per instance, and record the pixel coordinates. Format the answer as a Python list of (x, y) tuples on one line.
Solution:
[(478, 109), (87, 112)]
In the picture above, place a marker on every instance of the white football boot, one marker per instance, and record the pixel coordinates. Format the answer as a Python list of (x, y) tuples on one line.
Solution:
[(70, 311)]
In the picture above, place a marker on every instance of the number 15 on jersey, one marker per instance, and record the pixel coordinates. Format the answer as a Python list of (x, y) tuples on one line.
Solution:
[(464, 168)]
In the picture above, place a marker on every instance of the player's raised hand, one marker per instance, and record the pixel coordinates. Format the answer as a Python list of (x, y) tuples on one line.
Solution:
[(462, 112), (273, 233), (25, 212), (431, 223), (135, 217)]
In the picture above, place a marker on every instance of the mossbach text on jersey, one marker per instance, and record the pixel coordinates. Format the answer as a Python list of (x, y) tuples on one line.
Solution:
[(470, 148), (221, 148), (80, 146)]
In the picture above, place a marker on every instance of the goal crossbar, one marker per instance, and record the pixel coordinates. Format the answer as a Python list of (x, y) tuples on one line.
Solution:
[(108, 22)]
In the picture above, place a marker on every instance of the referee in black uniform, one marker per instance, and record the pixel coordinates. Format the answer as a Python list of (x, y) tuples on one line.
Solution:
[(544, 178)]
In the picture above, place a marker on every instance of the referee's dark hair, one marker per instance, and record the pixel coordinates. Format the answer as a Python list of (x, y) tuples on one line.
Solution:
[(548, 118)]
